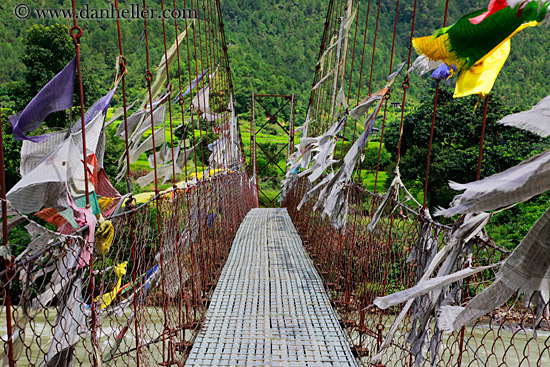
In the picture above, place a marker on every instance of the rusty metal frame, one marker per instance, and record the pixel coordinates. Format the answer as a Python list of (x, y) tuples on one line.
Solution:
[(289, 146)]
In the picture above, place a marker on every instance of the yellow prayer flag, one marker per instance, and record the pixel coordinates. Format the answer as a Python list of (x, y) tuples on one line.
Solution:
[(435, 48), (480, 78), (107, 298), (104, 236)]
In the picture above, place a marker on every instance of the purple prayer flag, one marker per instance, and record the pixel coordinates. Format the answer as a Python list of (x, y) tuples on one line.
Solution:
[(57, 95), (443, 72)]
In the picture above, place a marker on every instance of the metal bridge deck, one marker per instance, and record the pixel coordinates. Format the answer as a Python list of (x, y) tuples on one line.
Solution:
[(270, 307)]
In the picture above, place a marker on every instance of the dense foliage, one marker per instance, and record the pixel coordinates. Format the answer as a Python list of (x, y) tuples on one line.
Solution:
[(273, 46), (456, 141), (47, 50), (12, 152), (455, 153)]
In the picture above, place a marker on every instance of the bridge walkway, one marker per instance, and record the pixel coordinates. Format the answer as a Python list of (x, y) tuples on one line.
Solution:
[(269, 307)]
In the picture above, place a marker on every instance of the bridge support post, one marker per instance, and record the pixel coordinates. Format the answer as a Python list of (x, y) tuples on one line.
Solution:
[(270, 154)]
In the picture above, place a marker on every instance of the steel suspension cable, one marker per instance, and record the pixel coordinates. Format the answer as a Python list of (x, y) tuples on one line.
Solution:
[(363, 54), (350, 79), (204, 115), (210, 58), (76, 34), (181, 101), (174, 185), (135, 261), (371, 71), (149, 77), (190, 77), (380, 326), (353, 50), (6, 263), (387, 97), (213, 48), (333, 80), (324, 91), (169, 88), (361, 76), (187, 197), (480, 157), (433, 120), (374, 45), (197, 73), (198, 292), (317, 75), (406, 85)]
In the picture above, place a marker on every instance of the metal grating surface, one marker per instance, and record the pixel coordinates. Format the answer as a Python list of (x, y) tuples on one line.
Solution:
[(270, 307)]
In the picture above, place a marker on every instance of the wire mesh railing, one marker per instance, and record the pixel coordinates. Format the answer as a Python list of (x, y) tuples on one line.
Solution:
[(399, 279), (359, 266), (150, 300), (125, 279)]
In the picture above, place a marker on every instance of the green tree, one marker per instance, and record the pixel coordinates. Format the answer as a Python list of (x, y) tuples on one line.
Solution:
[(114, 148), (12, 152), (47, 50), (456, 141)]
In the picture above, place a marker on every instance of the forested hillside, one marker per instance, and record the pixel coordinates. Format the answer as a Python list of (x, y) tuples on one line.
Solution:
[(273, 46)]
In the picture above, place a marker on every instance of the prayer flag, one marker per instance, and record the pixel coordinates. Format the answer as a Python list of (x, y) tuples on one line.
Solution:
[(57, 95)]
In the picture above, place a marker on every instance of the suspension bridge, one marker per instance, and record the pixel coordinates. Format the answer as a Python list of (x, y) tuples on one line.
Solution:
[(193, 272)]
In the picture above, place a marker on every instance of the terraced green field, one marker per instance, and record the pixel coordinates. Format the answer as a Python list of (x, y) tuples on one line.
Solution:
[(271, 178)]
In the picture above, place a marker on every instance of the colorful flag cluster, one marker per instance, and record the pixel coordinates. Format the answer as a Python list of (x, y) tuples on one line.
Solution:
[(479, 43)]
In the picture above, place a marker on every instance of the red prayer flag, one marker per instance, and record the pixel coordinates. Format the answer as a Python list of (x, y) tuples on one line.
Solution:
[(494, 6)]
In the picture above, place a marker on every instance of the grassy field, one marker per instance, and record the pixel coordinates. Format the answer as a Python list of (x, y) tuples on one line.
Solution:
[(266, 137)]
